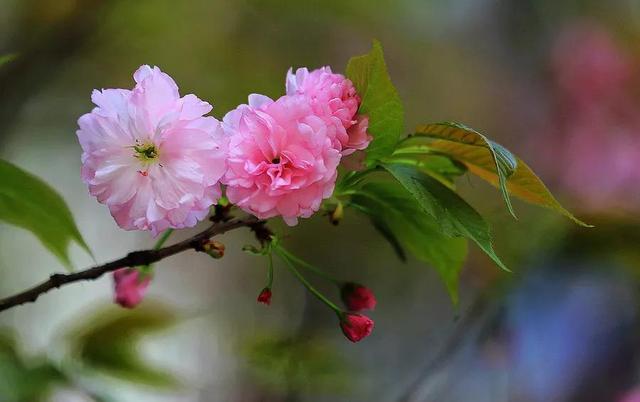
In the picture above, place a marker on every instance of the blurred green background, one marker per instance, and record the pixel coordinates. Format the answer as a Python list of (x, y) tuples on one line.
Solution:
[(554, 81)]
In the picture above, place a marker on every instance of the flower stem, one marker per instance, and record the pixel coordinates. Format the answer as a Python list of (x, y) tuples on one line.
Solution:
[(270, 271), (306, 283), (163, 238), (159, 243), (308, 266)]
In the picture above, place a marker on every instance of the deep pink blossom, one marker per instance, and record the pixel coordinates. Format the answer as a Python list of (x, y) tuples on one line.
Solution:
[(281, 158), (150, 155), (129, 286), (334, 98), (356, 327)]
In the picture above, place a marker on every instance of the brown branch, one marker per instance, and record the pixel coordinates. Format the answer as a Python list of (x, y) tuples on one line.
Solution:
[(133, 259)]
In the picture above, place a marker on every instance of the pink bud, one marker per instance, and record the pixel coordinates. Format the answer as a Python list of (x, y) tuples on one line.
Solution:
[(356, 327), (265, 296), (129, 287), (357, 297)]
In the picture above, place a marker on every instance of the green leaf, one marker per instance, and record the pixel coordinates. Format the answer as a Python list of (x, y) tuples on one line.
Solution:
[(398, 216), (454, 216), (491, 162), (30, 203), (378, 222), (380, 101), (109, 342)]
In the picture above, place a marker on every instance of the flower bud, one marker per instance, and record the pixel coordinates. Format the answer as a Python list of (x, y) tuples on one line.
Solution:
[(265, 296), (337, 214), (214, 248), (357, 297), (130, 287), (356, 327)]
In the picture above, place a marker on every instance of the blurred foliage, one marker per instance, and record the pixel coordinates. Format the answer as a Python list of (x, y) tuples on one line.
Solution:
[(106, 343), (24, 379), (7, 58), (109, 342), (616, 239), (298, 365)]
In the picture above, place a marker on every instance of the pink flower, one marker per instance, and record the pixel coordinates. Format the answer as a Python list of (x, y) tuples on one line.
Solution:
[(150, 155), (359, 139), (356, 327), (357, 297), (589, 65), (333, 97), (281, 159), (594, 124), (632, 396), (129, 287), (265, 296)]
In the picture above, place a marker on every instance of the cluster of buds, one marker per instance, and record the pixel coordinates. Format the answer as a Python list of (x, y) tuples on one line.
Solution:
[(356, 297)]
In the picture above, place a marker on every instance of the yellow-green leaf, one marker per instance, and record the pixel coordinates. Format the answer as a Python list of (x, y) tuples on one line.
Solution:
[(491, 162)]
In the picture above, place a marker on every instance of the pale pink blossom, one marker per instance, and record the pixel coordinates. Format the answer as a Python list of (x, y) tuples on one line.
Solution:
[(334, 98), (129, 287), (150, 155), (281, 158)]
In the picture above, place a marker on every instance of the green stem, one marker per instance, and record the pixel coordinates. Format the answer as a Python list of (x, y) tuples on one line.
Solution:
[(163, 238), (270, 271), (308, 266), (306, 283), (159, 243)]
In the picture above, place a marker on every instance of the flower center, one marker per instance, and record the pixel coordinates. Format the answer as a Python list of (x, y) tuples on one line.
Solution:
[(275, 160), (146, 152)]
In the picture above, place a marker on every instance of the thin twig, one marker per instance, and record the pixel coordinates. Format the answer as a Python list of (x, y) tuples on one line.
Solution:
[(133, 259)]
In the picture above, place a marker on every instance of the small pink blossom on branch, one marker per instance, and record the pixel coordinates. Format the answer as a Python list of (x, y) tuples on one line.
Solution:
[(130, 287)]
